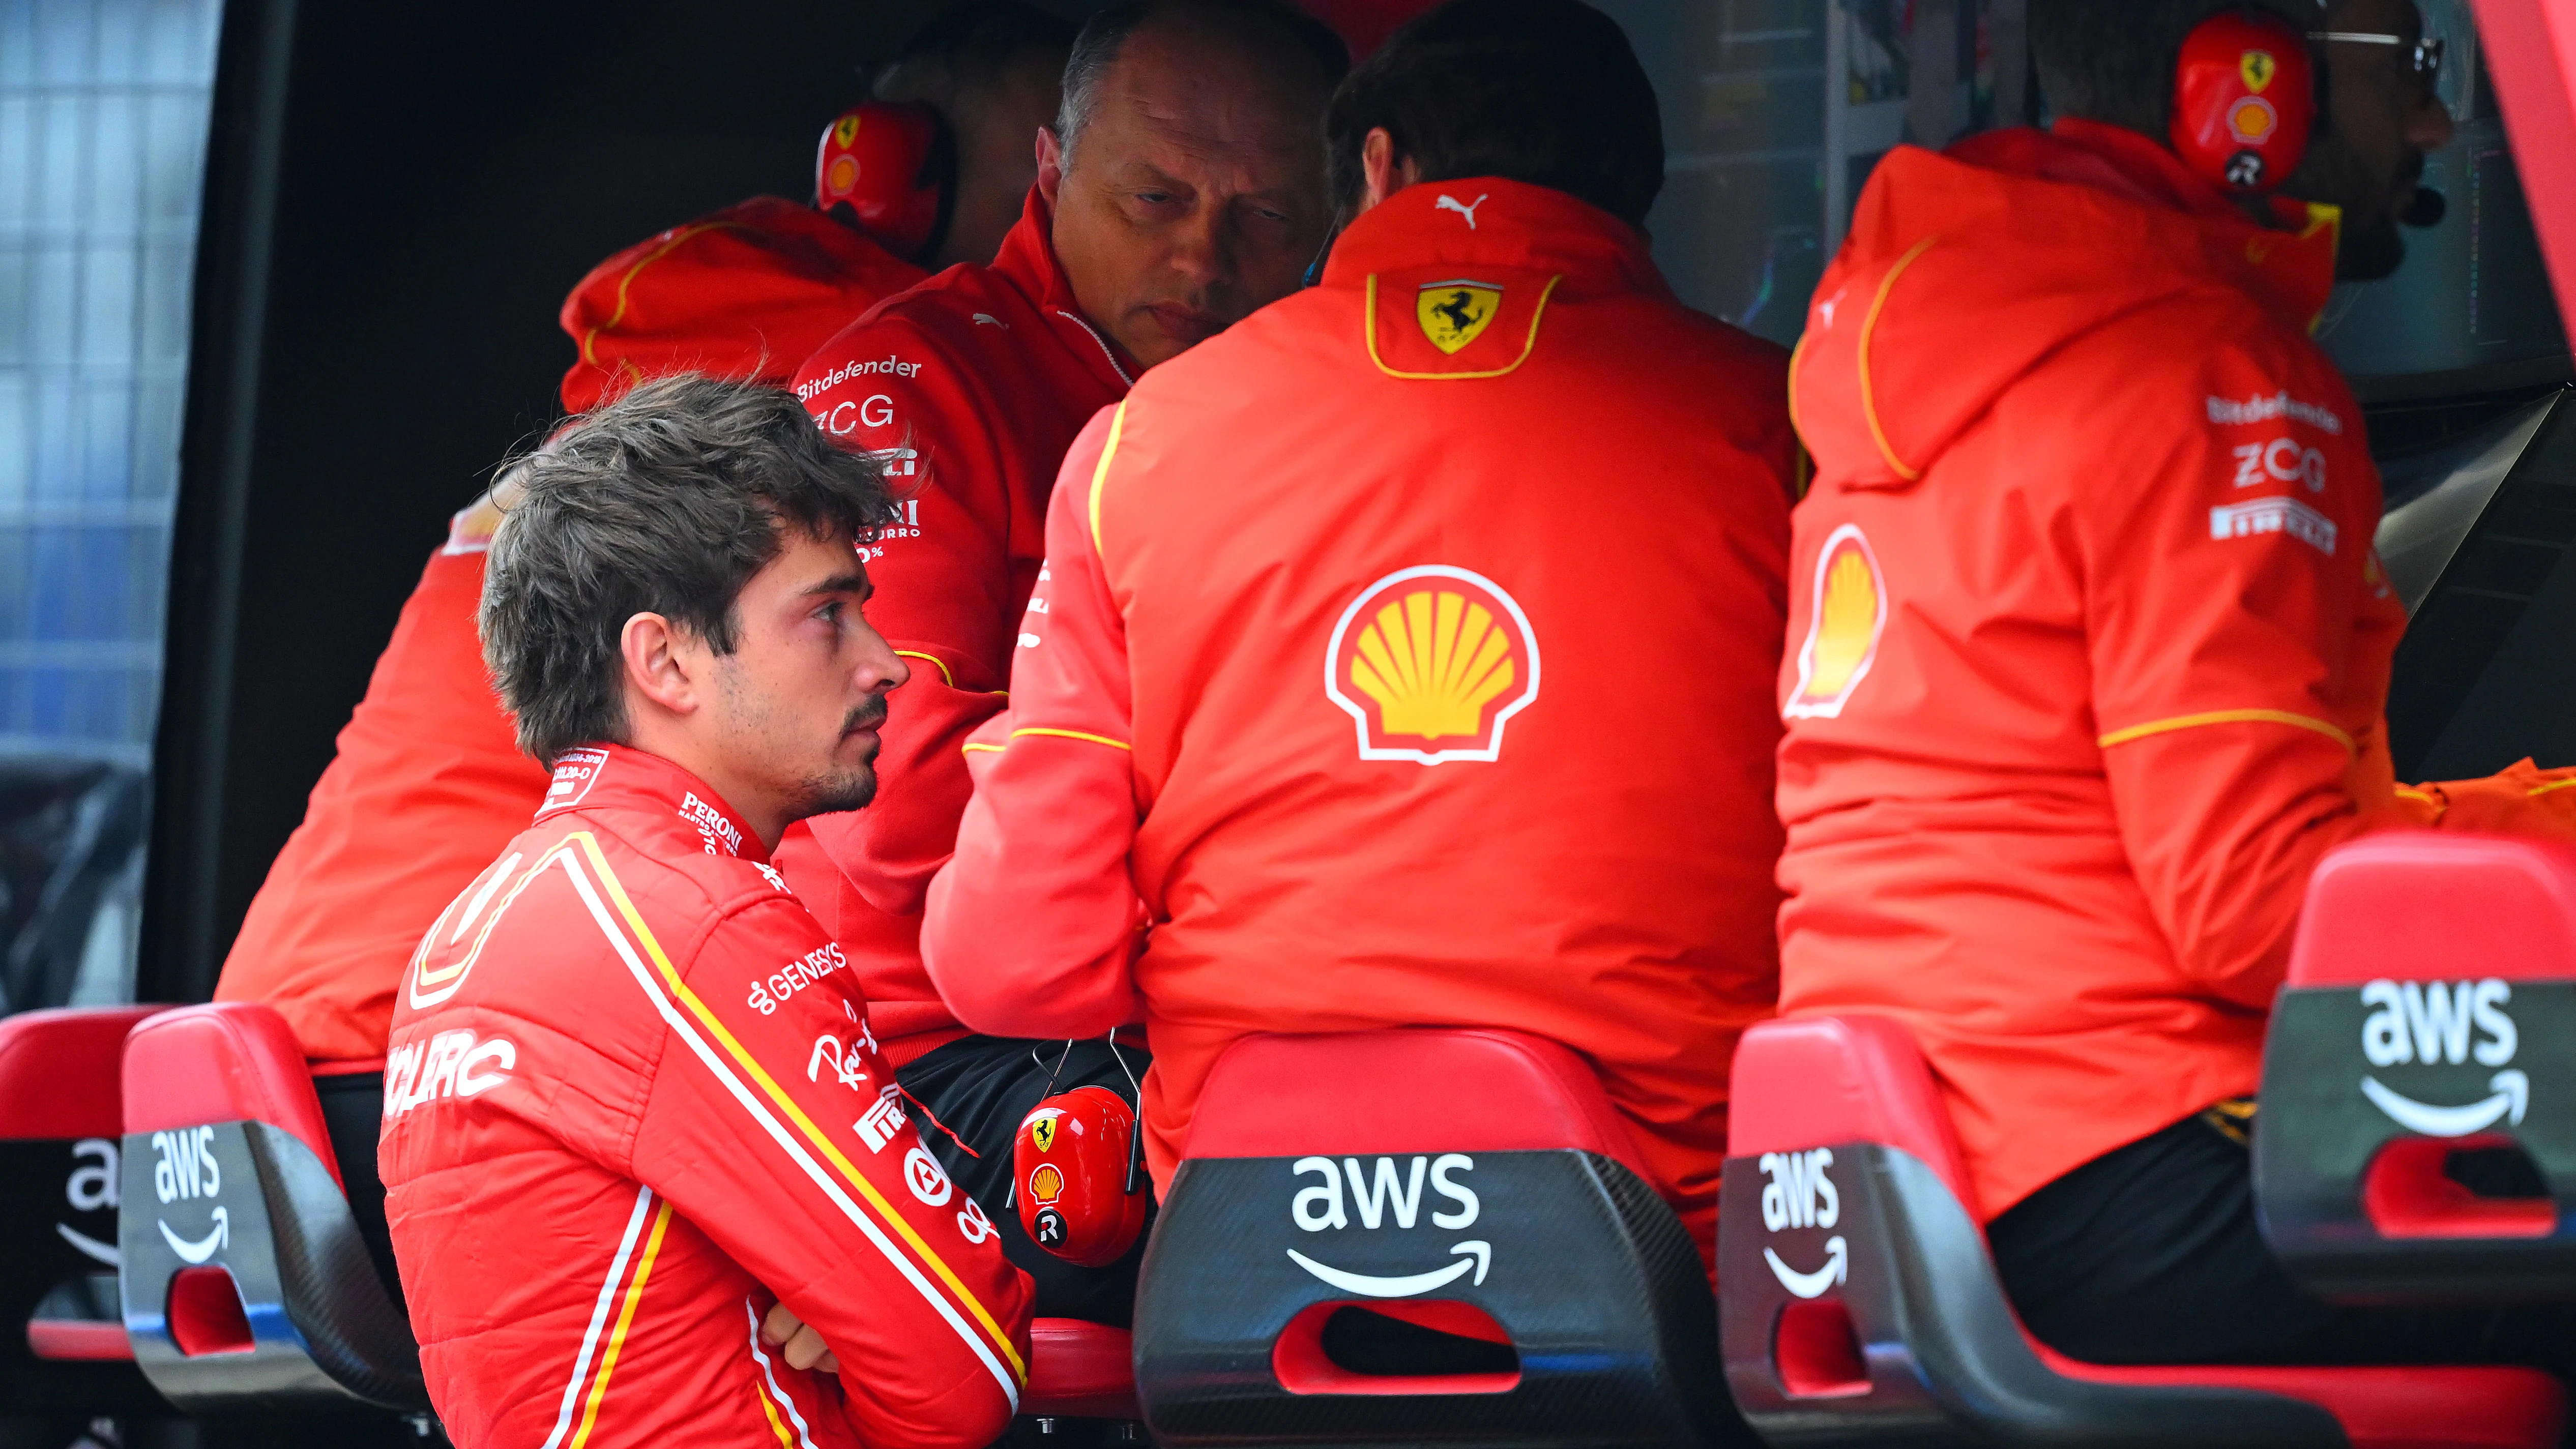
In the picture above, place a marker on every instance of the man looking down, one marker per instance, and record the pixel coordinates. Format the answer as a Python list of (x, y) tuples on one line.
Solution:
[(2089, 650), (1180, 188), (633, 1103), (1281, 755)]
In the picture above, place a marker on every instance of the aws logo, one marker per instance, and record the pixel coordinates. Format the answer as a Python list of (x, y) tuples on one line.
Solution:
[(1845, 616), (1430, 663), (2433, 1024)]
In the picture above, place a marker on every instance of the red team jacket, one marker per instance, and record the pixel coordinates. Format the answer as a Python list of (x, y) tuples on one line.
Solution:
[(2088, 646), (744, 292), (427, 781), (632, 1101), (1451, 709), (970, 387)]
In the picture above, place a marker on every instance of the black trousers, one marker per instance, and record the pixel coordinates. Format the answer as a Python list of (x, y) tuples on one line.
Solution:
[(353, 1111), (2150, 1254), (979, 1087)]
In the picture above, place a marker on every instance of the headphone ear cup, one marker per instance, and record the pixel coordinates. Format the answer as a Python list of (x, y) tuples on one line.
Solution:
[(888, 169), (2245, 101)]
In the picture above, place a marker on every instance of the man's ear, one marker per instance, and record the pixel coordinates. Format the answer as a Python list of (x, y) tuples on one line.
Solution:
[(659, 660), (1050, 165)]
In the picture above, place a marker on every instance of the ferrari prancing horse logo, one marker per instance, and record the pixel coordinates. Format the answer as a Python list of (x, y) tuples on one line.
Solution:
[(1455, 313)]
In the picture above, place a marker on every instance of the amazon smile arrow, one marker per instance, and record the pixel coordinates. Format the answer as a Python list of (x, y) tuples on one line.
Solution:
[(2512, 1097), (1807, 1285), (1370, 1286)]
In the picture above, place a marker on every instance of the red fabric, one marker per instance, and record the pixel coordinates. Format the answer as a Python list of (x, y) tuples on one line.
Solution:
[(629, 1069), (233, 1061), (2101, 672), (1189, 741), (2434, 905), (744, 292), (59, 1069), (427, 784), (1392, 1092), (970, 387)]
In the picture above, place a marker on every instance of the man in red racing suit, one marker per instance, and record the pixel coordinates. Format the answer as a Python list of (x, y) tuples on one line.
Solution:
[(632, 1100)]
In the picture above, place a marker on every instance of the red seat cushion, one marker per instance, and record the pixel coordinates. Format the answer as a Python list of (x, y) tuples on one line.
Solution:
[(2438, 905), (1811, 1081), (58, 1071), (228, 1061), (2383, 1408), (1417, 1090), (1080, 1370)]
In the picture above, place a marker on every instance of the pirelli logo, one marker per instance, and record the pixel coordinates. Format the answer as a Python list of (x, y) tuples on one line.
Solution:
[(2274, 515)]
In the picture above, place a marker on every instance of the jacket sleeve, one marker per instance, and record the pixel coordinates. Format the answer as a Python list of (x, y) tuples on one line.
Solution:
[(2240, 629), (772, 1126), (1032, 927), (944, 593)]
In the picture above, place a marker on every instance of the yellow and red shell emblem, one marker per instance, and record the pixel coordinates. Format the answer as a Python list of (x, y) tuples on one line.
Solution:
[(1846, 613), (1430, 663), (2252, 120)]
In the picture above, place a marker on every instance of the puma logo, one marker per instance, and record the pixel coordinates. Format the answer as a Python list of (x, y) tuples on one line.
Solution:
[(1451, 203)]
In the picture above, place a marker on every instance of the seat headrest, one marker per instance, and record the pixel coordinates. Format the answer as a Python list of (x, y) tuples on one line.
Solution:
[(1812, 1081), (1422, 1089), (2438, 904), (227, 1061), (59, 1069)]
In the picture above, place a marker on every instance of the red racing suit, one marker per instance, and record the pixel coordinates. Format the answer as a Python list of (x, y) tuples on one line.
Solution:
[(2088, 645), (741, 293), (970, 387), (1278, 715), (632, 1101)]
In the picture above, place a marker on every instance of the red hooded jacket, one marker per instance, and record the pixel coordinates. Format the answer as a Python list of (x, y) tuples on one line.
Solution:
[(2088, 645), (1454, 713), (742, 293), (970, 387)]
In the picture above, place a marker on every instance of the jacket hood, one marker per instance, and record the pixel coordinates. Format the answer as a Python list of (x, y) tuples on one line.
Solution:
[(1964, 270)]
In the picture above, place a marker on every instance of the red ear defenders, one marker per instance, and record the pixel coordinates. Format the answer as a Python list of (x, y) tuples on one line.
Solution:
[(1078, 1172), (2245, 100), (890, 171)]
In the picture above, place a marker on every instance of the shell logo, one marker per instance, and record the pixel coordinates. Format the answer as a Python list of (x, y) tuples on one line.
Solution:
[(1845, 616), (1430, 663), (2252, 120), (1047, 1183)]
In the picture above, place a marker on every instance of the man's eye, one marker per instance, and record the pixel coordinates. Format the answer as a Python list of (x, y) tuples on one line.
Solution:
[(830, 613), (1154, 198)]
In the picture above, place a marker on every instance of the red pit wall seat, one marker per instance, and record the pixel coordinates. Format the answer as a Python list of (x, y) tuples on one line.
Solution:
[(2430, 1008), (59, 1129), (1865, 1306), (1475, 1183), (245, 1282)]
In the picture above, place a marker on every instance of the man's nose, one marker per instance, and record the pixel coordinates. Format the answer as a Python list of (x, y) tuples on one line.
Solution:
[(880, 668), (1202, 252)]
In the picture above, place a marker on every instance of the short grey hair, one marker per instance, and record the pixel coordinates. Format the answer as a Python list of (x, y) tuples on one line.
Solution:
[(665, 501), (1267, 27)]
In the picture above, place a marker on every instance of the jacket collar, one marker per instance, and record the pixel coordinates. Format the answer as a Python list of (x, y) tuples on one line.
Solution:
[(1028, 262), (1489, 221), (613, 777)]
